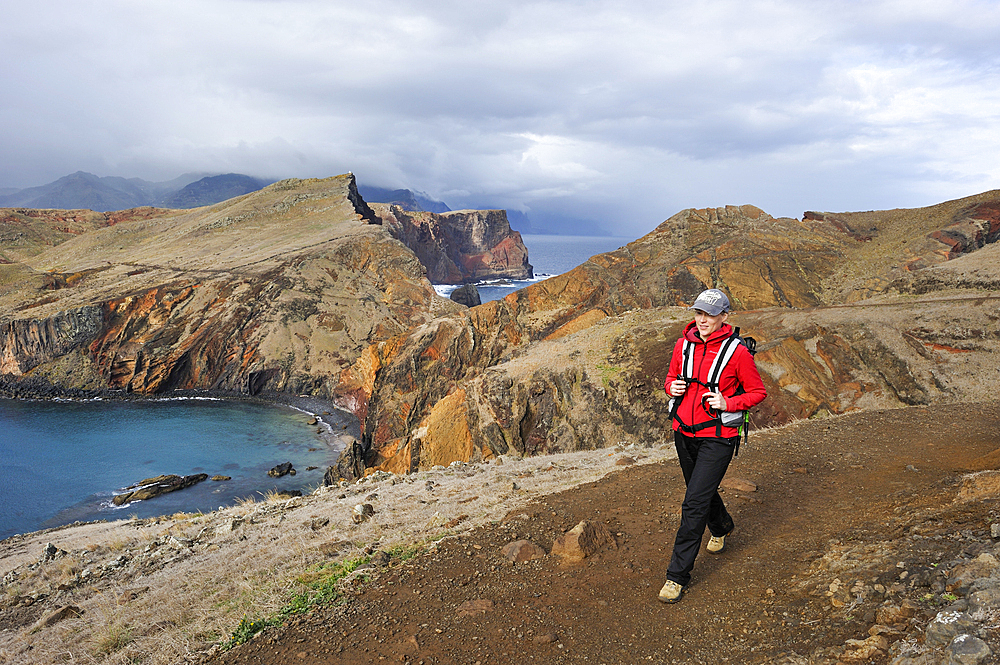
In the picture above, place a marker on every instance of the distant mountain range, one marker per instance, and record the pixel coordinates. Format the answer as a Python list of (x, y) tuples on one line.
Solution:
[(82, 190)]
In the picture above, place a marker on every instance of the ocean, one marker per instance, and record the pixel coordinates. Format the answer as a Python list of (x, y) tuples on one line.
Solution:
[(64, 461), (548, 255)]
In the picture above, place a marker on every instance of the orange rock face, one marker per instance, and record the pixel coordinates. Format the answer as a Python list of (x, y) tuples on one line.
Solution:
[(460, 246), (569, 363)]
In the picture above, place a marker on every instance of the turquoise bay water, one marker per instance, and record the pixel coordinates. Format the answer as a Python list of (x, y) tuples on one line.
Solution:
[(63, 461), (548, 255)]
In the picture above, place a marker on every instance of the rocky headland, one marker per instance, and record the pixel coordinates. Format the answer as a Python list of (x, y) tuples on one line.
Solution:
[(304, 289), (279, 290)]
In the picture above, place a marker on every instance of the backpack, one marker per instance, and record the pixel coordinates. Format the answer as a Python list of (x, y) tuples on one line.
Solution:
[(738, 419)]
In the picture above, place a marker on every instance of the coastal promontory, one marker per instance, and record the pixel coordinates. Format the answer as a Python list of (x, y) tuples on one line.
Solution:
[(278, 290)]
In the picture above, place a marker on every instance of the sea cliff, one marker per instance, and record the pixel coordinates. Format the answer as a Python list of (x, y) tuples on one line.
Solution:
[(461, 246)]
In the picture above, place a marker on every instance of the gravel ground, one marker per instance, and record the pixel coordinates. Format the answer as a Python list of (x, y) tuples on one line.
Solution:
[(841, 553)]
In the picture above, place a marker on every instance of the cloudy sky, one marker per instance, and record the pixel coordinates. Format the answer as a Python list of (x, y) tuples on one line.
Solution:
[(618, 113)]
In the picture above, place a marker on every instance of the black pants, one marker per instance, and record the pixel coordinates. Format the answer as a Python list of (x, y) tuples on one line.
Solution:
[(704, 461)]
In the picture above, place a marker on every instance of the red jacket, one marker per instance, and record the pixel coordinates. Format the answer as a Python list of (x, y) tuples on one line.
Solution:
[(740, 370)]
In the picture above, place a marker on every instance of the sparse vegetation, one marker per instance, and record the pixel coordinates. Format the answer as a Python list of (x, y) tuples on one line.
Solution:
[(320, 584), (607, 373), (112, 638), (245, 631)]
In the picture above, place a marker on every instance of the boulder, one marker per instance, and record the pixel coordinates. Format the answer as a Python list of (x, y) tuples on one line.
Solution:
[(335, 547), (962, 576), (361, 512), (283, 469), (350, 464), (522, 550), (986, 598), (891, 614), (467, 295), (51, 552), (945, 626), (585, 539), (967, 649), (979, 486), (318, 523)]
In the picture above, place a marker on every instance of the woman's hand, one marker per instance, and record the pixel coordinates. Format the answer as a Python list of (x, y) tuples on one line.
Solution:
[(715, 400), (678, 387)]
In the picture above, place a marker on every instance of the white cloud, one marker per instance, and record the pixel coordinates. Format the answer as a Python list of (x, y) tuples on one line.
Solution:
[(620, 113)]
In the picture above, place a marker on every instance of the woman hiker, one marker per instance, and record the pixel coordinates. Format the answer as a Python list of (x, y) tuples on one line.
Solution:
[(704, 444)]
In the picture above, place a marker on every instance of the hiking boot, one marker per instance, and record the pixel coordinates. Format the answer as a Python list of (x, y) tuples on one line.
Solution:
[(716, 544), (671, 592)]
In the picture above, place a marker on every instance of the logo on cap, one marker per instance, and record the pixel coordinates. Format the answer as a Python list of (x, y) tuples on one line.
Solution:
[(712, 301)]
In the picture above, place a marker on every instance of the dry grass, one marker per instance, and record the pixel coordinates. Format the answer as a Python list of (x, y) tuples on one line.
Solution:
[(189, 582)]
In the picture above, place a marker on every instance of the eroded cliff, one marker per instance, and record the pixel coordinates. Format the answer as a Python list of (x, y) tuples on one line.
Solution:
[(460, 246), (280, 289)]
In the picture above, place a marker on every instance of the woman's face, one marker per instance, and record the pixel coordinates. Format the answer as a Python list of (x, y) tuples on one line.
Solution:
[(708, 324)]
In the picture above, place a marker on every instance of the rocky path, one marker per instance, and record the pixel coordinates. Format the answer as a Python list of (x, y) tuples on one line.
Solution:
[(861, 529)]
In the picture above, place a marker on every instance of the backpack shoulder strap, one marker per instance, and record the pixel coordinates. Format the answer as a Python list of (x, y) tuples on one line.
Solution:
[(687, 359), (722, 359)]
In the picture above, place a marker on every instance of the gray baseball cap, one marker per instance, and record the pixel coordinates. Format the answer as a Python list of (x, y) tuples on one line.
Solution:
[(711, 301)]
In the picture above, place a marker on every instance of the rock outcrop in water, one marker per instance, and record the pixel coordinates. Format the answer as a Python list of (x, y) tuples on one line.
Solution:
[(151, 488)]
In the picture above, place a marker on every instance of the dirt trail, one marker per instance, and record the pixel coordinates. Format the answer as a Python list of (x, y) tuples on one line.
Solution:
[(858, 489)]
